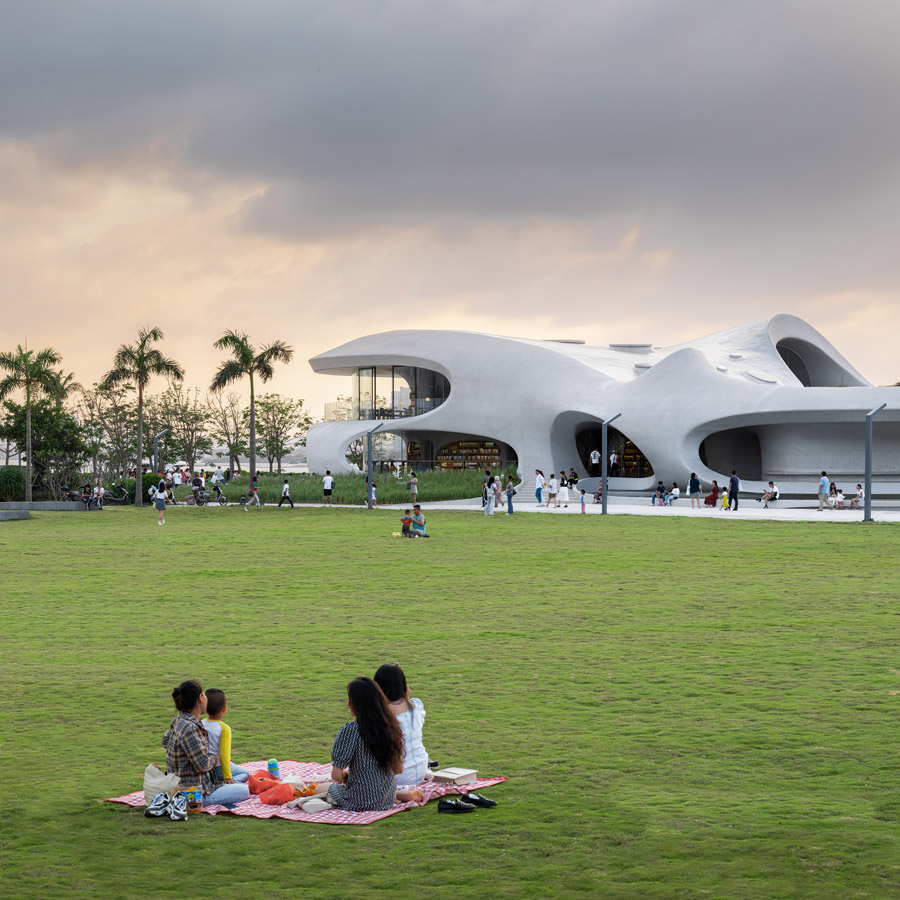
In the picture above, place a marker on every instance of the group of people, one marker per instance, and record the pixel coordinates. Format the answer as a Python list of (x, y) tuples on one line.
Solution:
[(612, 469), (413, 523), (492, 491), (830, 495), (92, 495), (554, 490), (378, 758)]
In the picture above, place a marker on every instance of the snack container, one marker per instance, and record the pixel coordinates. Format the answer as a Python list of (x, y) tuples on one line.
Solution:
[(273, 769), (194, 797)]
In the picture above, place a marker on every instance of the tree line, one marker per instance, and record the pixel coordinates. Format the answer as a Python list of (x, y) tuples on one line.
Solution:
[(111, 425)]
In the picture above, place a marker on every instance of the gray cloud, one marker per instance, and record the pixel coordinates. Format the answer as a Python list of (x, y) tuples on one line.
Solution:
[(706, 114)]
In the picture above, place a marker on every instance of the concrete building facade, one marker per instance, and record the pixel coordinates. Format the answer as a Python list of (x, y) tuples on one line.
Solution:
[(772, 399)]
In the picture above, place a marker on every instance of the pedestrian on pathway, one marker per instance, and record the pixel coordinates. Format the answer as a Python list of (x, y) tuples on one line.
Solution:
[(734, 489), (823, 492), (489, 496), (694, 490), (328, 487), (539, 486), (285, 494), (510, 493), (563, 489), (414, 486)]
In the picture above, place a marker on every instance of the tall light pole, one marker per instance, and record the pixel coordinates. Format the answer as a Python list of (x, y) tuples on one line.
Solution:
[(867, 516), (371, 489), (604, 429)]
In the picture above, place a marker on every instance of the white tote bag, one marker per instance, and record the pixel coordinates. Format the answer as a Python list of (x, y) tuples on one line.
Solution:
[(157, 782)]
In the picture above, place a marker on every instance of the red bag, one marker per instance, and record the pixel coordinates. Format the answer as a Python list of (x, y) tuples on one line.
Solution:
[(276, 796), (261, 781)]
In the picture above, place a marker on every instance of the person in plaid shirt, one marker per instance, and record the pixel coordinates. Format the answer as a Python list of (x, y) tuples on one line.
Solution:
[(187, 748)]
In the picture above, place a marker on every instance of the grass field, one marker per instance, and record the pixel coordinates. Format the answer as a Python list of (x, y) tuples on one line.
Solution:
[(685, 709)]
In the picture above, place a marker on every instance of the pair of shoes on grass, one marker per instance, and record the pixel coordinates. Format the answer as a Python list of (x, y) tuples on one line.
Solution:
[(466, 803), (175, 807)]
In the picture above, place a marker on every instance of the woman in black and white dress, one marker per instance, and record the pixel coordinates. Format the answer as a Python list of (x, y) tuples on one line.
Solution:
[(368, 754), (563, 489)]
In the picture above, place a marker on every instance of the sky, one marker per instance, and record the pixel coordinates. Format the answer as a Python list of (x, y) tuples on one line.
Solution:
[(606, 170)]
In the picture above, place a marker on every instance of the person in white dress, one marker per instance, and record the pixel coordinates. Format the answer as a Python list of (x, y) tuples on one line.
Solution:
[(563, 489), (410, 713)]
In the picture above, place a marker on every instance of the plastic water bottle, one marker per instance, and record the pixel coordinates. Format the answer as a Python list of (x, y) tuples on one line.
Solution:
[(273, 769)]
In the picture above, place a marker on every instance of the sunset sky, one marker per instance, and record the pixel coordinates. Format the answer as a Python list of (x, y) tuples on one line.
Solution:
[(610, 170)]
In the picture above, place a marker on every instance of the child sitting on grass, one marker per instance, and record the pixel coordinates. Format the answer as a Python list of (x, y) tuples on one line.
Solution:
[(407, 523), (220, 739)]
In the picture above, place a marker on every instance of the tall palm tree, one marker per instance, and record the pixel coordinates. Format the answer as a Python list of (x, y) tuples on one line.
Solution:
[(63, 386), (137, 364), (246, 360), (34, 373)]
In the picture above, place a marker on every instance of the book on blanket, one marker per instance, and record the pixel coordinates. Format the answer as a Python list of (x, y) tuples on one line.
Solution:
[(455, 775)]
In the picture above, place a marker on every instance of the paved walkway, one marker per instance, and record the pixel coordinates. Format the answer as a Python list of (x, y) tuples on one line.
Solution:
[(793, 511)]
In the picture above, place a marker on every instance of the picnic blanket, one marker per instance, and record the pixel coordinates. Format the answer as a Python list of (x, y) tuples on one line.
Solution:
[(310, 771)]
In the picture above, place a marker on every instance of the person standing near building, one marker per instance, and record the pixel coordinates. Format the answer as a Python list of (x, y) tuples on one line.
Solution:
[(485, 481), (328, 487), (694, 490), (285, 494), (734, 488), (613, 464), (489, 496), (822, 493), (563, 489), (539, 486), (510, 492), (595, 462), (414, 486)]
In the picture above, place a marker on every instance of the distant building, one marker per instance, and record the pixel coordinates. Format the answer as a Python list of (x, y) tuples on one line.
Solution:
[(772, 399)]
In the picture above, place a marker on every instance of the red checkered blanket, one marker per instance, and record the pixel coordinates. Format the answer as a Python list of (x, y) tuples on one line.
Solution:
[(310, 771)]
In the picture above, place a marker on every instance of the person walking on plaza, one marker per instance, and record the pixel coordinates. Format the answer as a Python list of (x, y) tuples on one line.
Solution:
[(553, 495), (613, 464), (595, 462), (510, 492), (823, 492), (253, 497), (485, 481), (285, 494), (734, 488), (539, 486)]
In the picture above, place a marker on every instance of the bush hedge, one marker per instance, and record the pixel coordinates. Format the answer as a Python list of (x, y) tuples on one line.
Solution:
[(12, 484)]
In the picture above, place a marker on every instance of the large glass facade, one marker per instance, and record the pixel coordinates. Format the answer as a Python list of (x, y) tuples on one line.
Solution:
[(396, 392)]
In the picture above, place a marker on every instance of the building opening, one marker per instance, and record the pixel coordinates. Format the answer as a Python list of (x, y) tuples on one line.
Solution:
[(630, 461)]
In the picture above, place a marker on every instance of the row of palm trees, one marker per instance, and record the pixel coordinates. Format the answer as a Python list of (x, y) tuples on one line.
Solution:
[(35, 374)]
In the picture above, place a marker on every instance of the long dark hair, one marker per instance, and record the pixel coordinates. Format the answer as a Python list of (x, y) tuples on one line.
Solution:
[(186, 695), (378, 727), (392, 681)]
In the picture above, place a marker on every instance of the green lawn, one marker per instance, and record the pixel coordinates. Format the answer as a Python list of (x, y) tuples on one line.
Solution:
[(684, 708)]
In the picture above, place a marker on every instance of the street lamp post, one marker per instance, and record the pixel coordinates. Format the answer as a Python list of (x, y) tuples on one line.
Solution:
[(867, 516), (371, 482), (604, 429)]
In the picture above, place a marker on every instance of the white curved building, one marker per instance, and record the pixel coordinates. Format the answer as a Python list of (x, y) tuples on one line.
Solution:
[(772, 399)]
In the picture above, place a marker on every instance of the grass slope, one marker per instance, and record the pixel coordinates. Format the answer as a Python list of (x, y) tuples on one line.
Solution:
[(684, 708)]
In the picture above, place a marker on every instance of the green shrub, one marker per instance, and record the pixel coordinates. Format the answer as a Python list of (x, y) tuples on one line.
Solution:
[(148, 481), (351, 489), (12, 484)]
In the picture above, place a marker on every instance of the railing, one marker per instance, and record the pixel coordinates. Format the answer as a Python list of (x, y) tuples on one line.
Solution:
[(426, 465)]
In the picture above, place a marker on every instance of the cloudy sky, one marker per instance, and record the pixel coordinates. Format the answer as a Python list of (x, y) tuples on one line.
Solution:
[(611, 170)]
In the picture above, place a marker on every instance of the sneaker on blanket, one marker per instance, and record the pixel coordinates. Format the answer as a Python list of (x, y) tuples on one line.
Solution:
[(159, 806), (178, 808)]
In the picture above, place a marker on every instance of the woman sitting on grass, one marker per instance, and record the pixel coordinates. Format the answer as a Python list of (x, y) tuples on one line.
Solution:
[(187, 749), (368, 754)]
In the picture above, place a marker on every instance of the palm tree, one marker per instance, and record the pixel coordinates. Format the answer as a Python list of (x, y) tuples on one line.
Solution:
[(247, 361), (137, 364), (63, 385), (34, 373)]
